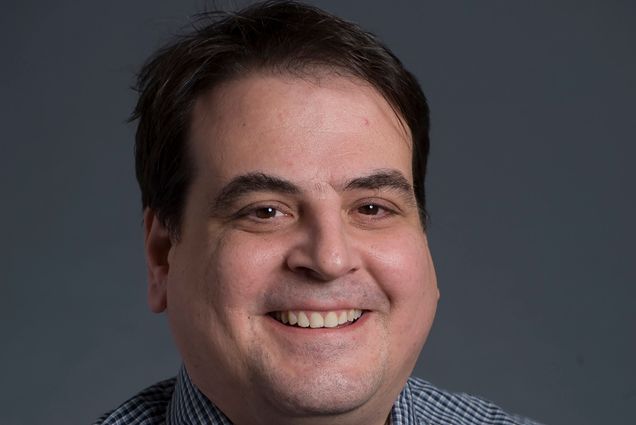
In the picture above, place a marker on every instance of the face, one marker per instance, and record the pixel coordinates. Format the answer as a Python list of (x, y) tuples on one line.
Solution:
[(301, 285)]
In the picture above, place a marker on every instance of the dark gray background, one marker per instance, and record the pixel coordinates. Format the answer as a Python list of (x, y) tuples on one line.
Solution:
[(531, 191)]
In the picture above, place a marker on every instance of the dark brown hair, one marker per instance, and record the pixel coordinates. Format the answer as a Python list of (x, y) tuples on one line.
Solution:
[(272, 36)]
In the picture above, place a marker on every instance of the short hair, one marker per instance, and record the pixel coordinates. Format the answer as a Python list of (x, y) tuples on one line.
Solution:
[(271, 36)]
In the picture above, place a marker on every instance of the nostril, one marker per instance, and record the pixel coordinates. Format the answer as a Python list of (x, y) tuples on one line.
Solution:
[(322, 253)]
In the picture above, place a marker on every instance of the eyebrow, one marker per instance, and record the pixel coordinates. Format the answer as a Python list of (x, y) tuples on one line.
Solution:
[(381, 179), (385, 179), (260, 182), (252, 182)]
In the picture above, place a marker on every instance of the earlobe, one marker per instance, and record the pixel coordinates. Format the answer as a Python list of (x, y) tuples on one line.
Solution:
[(157, 244)]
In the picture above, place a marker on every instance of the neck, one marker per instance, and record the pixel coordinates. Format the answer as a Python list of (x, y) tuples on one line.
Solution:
[(374, 412)]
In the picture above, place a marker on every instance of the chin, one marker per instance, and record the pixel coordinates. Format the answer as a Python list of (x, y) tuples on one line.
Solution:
[(321, 392)]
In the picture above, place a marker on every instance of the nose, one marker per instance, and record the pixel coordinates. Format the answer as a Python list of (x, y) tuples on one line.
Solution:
[(324, 251)]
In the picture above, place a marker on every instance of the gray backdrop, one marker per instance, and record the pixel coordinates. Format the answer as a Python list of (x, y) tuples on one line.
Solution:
[(531, 190)]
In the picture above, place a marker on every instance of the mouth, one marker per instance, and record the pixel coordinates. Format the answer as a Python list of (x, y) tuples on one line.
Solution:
[(317, 319)]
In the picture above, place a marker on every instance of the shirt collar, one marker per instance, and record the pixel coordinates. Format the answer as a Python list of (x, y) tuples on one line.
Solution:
[(189, 406), (403, 411)]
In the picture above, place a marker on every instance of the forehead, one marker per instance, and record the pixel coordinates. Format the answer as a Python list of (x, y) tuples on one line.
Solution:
[(329, 125)]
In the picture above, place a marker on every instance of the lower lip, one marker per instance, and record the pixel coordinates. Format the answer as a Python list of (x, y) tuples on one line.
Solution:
[(322, 331)]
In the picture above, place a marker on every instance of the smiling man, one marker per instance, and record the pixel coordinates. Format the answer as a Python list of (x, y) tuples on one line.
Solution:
[(281, 155), (301, 264)]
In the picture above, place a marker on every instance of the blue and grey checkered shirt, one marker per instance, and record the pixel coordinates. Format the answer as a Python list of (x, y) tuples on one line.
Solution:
[(177, 401)]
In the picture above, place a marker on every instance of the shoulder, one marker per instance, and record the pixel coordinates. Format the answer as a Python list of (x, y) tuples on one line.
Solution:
[(148, 407), (436, 406)]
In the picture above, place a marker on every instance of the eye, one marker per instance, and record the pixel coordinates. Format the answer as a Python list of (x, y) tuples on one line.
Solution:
[(370, 209), (374, 214), (375, 210), (265, 216), (264, 213)]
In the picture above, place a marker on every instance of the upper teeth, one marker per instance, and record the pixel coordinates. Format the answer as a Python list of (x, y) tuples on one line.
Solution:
[(317, 319)]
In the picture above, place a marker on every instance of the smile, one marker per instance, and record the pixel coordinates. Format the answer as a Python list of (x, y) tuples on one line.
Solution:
[(317, 319)]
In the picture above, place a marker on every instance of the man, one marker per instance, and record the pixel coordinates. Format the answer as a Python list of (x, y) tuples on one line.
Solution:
[(281, 154)]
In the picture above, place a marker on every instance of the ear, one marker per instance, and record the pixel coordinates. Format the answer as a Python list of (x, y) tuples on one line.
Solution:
[(157, 244)]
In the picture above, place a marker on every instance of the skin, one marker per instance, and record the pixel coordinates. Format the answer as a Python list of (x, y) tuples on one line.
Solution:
[(302, 200)]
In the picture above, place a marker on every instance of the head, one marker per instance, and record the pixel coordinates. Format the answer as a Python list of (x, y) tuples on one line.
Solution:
[(281, 154), (273, 37)]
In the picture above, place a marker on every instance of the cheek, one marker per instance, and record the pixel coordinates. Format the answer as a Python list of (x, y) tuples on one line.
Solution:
[(401, 266), (242, 268), (404, 271)]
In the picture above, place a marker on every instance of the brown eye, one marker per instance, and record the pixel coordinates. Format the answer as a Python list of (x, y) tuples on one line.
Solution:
[(370, 209), (265, 212)]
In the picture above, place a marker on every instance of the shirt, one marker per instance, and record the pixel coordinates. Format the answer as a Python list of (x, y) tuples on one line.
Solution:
[(177, 401)]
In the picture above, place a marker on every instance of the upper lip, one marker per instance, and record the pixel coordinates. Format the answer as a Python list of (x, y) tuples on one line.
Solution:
[(317, 309)]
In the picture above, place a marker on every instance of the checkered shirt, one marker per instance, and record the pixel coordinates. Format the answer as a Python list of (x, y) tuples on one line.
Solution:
[(177, 401)]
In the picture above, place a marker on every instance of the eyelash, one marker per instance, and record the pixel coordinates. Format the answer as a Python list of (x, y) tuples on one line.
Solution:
[(267, 210), (252, 212), (375, 211), (373, 208)]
